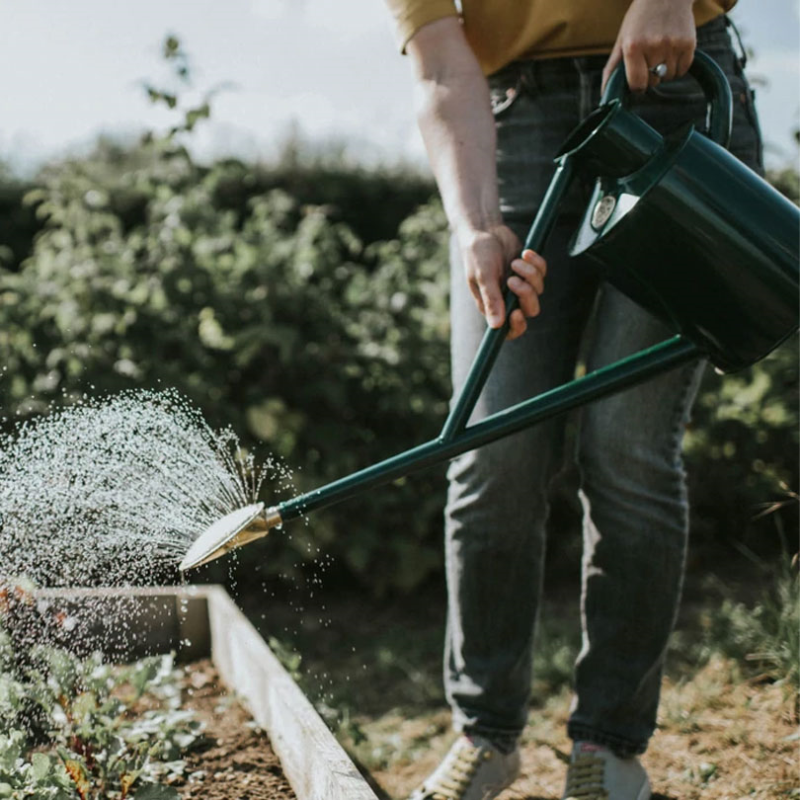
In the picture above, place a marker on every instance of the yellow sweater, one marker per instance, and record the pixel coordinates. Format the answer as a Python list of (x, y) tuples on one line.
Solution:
[(501, 31)]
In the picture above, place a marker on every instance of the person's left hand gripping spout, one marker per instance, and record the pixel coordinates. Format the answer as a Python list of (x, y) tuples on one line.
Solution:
[(457, 125)]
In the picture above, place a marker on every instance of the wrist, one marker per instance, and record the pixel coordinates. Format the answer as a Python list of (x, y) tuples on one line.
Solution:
[(468, 231)]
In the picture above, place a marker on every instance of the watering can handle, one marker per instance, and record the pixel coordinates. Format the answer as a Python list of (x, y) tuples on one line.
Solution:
[(713, 82)]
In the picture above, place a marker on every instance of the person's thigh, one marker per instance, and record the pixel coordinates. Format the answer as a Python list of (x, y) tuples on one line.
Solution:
[(536, 106), (497, 504)]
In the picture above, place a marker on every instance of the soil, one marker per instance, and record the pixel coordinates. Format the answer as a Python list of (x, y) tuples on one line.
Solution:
[(719, 738), (237, 761), (725, 730)]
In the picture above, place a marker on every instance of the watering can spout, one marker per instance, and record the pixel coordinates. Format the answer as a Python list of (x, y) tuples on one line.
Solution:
[(238, 528)]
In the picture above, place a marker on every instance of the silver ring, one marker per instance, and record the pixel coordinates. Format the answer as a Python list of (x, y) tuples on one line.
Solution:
[(659, 70)]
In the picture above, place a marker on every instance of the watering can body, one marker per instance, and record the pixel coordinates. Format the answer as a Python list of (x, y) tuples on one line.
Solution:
[(688, 232)]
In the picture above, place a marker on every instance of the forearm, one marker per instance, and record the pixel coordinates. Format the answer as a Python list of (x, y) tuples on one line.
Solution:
[(455, 119), (457, 125)]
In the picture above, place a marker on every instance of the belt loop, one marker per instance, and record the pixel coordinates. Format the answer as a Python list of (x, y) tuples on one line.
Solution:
[(742, 58), (585, 99), (530, 76)]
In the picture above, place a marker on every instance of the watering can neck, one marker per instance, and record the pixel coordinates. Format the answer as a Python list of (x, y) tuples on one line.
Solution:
[(612, 142)]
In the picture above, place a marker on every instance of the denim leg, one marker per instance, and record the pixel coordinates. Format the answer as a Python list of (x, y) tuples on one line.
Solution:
[(496, 508), (495, 518), (635, 534), (633, 483)]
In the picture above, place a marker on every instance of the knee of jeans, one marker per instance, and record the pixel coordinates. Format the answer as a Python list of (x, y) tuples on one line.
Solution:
[(499, 487), (520, 462), (616, 452)]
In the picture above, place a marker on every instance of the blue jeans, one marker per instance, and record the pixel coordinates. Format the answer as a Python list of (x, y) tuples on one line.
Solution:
[(633, 488)]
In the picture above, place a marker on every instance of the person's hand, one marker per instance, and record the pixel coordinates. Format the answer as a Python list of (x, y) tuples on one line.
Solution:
[(654, 32), (485, 254)]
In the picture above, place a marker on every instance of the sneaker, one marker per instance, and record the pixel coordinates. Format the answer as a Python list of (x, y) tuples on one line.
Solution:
[(473, 769), (595, 773)]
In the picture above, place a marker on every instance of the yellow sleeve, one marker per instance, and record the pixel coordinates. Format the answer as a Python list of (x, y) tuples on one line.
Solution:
[(411, 15)]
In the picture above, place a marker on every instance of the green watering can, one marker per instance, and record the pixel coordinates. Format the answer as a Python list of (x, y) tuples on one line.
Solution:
[(677, 224)]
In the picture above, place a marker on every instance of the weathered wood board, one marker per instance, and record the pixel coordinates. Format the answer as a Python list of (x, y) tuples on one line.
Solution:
[(198, 621)]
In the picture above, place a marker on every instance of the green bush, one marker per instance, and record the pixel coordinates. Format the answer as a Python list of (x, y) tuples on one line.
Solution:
[(276, 319), (742, 454), (304, 305), (18, 223), (279, 322)]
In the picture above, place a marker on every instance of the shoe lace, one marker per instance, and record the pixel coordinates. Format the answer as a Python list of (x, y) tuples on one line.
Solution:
[(458, 769), (585, 779)]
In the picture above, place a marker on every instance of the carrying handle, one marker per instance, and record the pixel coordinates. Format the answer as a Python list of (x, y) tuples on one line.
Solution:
[(713, 82)]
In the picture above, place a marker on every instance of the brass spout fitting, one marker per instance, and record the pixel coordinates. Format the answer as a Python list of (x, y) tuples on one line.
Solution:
[(234, 530)]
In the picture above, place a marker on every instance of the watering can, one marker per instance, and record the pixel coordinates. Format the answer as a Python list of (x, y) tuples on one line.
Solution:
[(676, 223)]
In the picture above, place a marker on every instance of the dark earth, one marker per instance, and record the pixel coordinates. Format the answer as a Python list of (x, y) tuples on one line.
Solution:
[(237, 760)]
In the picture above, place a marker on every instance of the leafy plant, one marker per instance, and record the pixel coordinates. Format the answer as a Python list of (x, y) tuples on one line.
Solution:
[(764, 636), (742, 454), (304, 304), (98, 745)]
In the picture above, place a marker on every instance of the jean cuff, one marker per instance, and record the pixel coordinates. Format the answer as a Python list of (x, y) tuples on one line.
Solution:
[(624, 748), (504, 739)]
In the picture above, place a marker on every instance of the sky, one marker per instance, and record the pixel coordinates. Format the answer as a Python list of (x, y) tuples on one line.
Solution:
[(326, 69)]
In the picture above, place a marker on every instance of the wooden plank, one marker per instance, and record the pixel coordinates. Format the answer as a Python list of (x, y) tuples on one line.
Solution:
[(314, 762), (131, 623)]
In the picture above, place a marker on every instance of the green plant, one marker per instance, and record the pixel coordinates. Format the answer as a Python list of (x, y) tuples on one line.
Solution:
[(304, 304), (90, 740), (742, 453), (764, 636)]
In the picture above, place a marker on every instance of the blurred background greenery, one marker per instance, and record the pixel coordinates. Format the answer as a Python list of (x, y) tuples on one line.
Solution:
[(304, 303)]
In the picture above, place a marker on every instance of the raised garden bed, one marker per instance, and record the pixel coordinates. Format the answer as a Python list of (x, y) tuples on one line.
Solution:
[(203, 622)]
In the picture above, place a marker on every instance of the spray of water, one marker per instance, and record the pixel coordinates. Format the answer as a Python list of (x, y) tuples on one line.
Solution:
[(110, 492)]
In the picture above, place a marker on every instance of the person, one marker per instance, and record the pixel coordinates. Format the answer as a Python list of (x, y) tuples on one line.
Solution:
[(499, 85)]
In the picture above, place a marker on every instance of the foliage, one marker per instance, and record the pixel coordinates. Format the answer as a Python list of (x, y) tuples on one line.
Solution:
[(764, 637), (754, 625), (786, 181), (305, 306), (90, 744), (741, 452), (282, 324), (18, 223)]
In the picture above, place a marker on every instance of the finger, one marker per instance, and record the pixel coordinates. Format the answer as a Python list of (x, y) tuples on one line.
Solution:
[(635, 67), (613, 60), (493, 307), (536, 260), (672, 65), (685, 59), (530, 274), (528, 299), (517, 324), (656, 60), (476, 294)]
